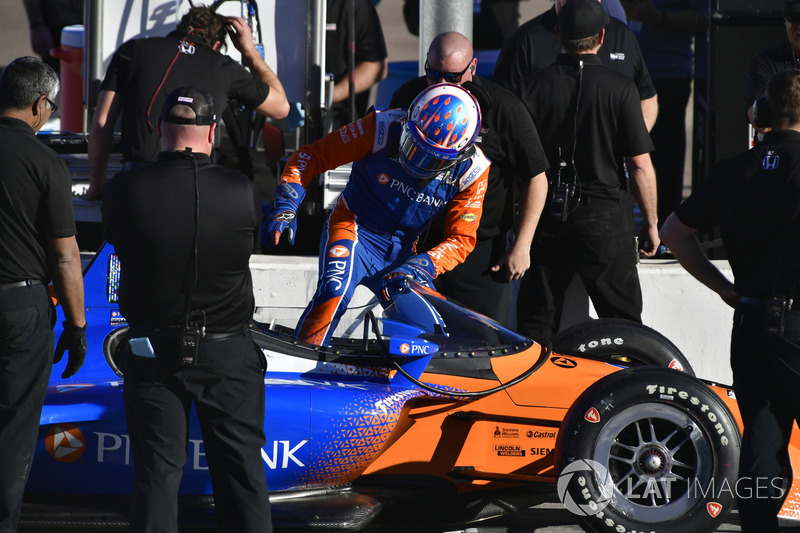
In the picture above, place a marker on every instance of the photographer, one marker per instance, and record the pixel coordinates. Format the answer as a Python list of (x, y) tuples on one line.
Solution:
[(588, 118), (755, 200)]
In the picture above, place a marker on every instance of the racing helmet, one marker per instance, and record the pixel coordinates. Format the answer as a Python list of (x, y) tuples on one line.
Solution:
[(443, 123)]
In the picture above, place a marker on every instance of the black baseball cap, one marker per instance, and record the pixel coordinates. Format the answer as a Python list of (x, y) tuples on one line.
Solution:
[(578, 19), (200, 101), (791, 9)]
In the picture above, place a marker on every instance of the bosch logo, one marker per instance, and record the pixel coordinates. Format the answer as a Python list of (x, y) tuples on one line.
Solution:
[(65, 443), (338, 251), (383, 179), (581, 470)]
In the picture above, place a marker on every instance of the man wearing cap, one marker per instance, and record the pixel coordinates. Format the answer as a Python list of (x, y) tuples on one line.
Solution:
[(510, 141), (535, 45), (588, 118), (143, 71), (184, 230), (767, 63)]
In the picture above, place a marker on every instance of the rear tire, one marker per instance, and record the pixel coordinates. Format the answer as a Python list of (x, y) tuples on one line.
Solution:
[(621, 342), (646, 449)]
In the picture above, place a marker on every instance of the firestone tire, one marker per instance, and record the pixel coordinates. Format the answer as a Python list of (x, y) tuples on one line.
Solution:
[(621, 342), (648, 449)]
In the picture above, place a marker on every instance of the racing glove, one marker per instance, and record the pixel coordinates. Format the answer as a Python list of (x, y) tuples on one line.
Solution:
[(420, 267), (73, 340), (283, 217)]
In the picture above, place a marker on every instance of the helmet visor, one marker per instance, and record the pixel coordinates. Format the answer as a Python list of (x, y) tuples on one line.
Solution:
[(419, 159)]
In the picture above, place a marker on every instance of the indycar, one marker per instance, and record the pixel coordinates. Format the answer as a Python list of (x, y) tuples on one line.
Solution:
[(432, 401)]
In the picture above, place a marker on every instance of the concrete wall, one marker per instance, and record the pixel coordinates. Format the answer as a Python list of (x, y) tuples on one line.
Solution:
[(675, 304)]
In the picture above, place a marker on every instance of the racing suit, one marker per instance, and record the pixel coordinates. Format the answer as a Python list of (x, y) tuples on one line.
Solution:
[(380, 214)]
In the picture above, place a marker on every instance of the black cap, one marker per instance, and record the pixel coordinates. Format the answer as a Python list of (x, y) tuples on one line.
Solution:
[(578, 19), (791, 7), (200, 101)]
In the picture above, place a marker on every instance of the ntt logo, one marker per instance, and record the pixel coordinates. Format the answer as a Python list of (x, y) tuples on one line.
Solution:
[(582, 502)]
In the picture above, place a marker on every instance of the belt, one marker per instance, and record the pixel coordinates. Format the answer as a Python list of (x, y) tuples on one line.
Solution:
[(175, 330), (26, 283)]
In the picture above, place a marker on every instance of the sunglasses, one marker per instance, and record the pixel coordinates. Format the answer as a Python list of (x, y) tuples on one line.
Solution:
[(53, 106), (449, 77)]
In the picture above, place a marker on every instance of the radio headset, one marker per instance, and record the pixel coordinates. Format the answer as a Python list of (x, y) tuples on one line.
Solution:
[(194, 324), (567, 186)]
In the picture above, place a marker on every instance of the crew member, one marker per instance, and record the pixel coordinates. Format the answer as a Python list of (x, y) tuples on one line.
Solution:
[(588, 118), (754, 198), (184, 230), (37, 243), (143, 71), (510, 141), (407, 167)]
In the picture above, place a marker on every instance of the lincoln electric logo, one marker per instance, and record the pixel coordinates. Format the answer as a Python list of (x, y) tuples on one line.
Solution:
[(65, 443), (338, 251)]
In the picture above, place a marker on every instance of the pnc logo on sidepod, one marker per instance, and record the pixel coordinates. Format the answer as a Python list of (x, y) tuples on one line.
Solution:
[(383, 179), (582, 469), (65, 443)]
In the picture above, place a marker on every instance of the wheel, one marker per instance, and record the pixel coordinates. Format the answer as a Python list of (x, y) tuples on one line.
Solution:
[(648, 449), (621, 342), (112, 345)]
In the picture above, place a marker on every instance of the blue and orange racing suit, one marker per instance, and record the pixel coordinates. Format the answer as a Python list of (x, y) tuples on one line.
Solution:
[(380, 214)]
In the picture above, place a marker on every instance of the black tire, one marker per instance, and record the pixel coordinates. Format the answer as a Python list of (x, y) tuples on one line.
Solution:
[(621, 342), (667, 448), (112, 345)]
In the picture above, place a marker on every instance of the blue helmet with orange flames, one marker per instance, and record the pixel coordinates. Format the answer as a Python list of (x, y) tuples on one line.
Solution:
[(443, 123)]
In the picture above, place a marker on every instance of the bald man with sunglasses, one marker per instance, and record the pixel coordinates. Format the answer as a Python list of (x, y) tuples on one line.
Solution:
[(509, 139)]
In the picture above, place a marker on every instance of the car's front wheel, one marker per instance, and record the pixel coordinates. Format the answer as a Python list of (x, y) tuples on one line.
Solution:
[(647, 449)]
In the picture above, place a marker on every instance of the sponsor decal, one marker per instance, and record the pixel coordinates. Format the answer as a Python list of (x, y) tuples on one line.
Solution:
[(592, 415), (509, 450), (506, 433), (72, 387), (383, 178), (541, 434), (469, 217), (770, 161), (65, 443), (186, 48), (338, 251), (335, 274), (415, 196), (381, 133), (404, 348), (676, 365), (587, 504), (617, 56), (543, 452), (116, 318), (675, 394), (713, 509), (564, 362)]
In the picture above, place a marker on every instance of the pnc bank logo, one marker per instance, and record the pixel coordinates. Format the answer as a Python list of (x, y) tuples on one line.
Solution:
[(338, 251), (405, 348), (65, 443), (383, 179)]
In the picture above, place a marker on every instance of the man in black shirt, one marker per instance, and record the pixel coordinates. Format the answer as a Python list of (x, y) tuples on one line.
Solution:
[(37, 243), (754, 198), (535, 45), (143, 71), (509, 139), (184, 230), (589, 119)]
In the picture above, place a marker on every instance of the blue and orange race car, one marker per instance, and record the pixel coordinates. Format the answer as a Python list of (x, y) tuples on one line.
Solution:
[(433, 399)]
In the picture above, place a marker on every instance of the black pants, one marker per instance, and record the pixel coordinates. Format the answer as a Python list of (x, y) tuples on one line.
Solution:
[(600, 249), (669, 139), (766, 379), (227, 388), (26, 358), (473, 284)]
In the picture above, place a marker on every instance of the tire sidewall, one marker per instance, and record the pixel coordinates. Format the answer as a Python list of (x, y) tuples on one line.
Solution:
[(596, 408)]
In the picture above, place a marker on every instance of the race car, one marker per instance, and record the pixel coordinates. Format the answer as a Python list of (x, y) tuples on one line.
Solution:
[(432, 399)]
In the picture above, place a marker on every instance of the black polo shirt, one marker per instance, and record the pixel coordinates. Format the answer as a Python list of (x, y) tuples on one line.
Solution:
[(535, 46), (149, 216), (608, 125), (139, 66), (508, 138), (754, 197), (763, 67), (35, 202)]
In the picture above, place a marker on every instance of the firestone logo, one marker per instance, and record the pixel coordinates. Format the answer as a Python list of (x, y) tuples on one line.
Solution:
[(65, 443)]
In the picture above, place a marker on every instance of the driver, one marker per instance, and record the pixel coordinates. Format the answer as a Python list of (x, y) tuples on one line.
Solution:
[(407, 167)]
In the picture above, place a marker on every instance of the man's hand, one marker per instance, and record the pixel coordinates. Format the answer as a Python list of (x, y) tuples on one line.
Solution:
[(514, 263), (73, 340), (283, 217), (241, 35), (649, 234), (420, 267)]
